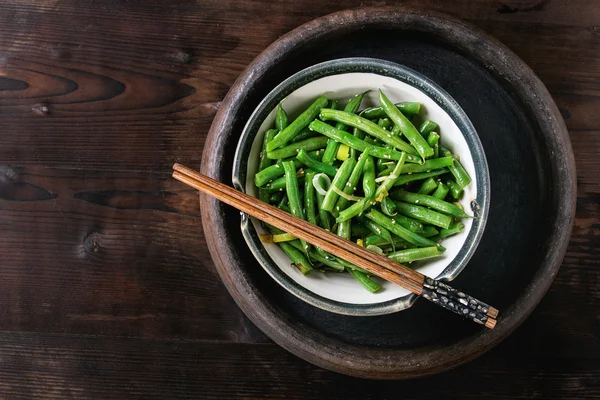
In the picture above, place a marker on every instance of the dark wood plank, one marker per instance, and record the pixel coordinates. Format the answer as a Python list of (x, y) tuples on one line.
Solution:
[(59, 367), (108, 253)]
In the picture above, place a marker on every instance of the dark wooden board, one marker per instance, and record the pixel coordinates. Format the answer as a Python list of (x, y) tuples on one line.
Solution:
[(129, 144)]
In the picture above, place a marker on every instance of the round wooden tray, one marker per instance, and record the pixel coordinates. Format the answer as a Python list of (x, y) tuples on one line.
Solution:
[(532, 198)]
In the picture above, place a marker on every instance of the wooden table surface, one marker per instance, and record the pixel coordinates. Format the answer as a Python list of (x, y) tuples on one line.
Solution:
[(107, 289)]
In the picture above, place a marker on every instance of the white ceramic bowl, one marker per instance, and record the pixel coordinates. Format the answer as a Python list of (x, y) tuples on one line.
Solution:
[(340, 80)]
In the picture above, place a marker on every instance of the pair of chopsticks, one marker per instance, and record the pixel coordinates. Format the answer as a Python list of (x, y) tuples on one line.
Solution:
[(431, 289)]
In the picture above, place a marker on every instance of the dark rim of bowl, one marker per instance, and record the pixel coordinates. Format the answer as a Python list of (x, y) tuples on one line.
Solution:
[(404, 74)]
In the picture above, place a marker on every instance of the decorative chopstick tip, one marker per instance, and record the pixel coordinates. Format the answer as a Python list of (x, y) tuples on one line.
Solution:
[(490, 323), (492, 312)]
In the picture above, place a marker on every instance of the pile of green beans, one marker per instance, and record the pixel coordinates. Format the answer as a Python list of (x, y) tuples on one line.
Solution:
[(379, 177)]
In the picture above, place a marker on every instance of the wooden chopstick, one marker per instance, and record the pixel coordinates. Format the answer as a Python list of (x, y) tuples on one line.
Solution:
[(372, 262)]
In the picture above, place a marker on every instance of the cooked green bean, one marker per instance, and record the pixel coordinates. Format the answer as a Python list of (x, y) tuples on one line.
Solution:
[(263, 160), (364, 279), (410, 177), (328, 260), (455, 190), (455, 228), (303, 135), (385, 123), (441, 192), (381, 192), (294, 148), (339, 181), (276, 170), (428, 186), (429, 201), (409, 223), (433, 139), (332, 144), (398, 230), (293, 193), (429, 231), (316, 165), (388, 207), (324, 218), (296, 126), (356, 143), (309, 197), (377, 229), (407, 108), (359, 229), (410, 255), (279, 184), (407, 128), (424, 215), (281, 118), (299, 260), (376, 240), (427, 127), (369, 185), (459, 172), (368, 127), (344, 230), (352, 183)]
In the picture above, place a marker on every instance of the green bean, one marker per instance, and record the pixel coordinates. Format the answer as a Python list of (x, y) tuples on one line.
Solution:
[(388, 207), (410, 255), (433, 139), (263, 160), (429, 231), (428, 165), (409, 223), (385, 123), (316, 165), (441, 191), (281, 118), (283, 201), (429, 201), (377, 229), (274, 198), (399, 230), (296, 126), (309, 197), (355, 143), (376, 240), (340, 179), (275, 171), (452, 230), (369, 185), (381, 192), (333, 104), (294, 148), (303, 135), (324, 219), (293, 193), (328, 260), (407, 108), (344, 229), (455, 190), (263, 195), (424, 215), (368, 284), (368, 127), (427, 127), (350, 186), (279, 184), (427, 186), (410, 177), (332, 144), (459, 172), (396, 131), (359, 229), (299, 260), (385, 172), (407, 128)]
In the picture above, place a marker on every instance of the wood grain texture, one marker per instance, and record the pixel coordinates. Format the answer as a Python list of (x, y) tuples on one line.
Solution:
[(99, 99)]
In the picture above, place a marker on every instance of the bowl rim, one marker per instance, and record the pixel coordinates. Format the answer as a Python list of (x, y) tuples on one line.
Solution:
[(405, 75), (329, 352)]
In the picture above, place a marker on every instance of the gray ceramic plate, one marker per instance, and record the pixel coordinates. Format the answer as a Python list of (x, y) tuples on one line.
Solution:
[(340, 79)]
